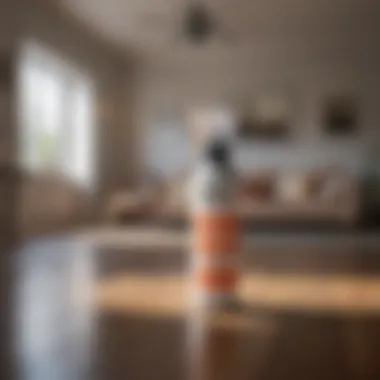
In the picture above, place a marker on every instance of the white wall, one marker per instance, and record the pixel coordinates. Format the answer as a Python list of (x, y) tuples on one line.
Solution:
[(308, 68)]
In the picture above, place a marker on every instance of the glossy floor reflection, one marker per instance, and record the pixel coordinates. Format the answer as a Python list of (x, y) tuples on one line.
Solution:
[(100, 313)]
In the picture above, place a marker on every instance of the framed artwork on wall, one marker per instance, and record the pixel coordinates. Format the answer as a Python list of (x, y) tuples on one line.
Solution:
[(269, 117), (340, 114)]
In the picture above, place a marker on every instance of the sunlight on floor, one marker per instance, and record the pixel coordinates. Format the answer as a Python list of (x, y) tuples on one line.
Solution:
[(165, 295)]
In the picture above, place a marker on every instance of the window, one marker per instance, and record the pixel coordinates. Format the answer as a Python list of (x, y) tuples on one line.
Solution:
[(56, 121)]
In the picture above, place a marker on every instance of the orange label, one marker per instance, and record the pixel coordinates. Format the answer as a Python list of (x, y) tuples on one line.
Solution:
[(215, 233), (221, 279)]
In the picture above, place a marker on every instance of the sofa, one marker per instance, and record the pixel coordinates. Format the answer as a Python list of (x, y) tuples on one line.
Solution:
[(328, 195), (323, 196)]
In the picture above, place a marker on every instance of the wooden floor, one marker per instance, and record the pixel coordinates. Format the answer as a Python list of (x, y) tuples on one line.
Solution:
[(93, 311)]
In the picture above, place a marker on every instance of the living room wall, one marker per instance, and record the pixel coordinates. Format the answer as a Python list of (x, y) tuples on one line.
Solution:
[(306, 68), (44, 22)]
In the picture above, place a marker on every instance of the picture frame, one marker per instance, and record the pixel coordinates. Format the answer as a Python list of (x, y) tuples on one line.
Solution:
[(268, 118), (340, 115)]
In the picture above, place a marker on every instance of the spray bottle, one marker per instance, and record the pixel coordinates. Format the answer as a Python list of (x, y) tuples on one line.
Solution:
[(215, 226)]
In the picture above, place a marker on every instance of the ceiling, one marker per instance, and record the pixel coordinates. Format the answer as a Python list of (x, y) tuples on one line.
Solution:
[(154, 25)]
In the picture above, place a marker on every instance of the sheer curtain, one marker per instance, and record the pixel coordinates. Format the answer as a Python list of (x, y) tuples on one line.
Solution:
[(57, 130)]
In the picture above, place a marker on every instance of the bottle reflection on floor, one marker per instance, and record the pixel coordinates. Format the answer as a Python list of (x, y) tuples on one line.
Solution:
[(218, 344)]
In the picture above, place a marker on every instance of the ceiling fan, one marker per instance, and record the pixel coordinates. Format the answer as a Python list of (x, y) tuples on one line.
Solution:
[(197, 24)]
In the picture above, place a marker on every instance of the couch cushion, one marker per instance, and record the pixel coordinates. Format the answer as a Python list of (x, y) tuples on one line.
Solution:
[(293, 187), (259, 187)]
